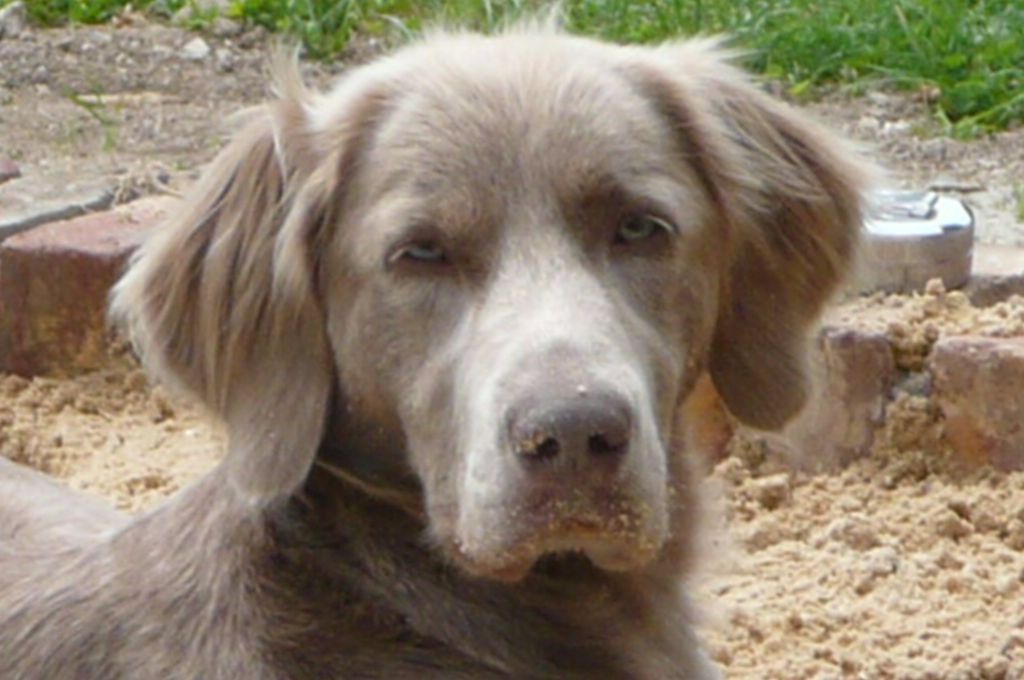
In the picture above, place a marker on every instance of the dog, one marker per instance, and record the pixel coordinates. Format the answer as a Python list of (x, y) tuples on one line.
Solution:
[(449, 311)]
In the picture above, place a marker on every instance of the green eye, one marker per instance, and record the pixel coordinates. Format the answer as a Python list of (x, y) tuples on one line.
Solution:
[(424, 252), (642, 227)]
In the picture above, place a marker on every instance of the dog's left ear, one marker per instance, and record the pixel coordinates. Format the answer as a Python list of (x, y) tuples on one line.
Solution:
[(222, 300), (789, 197)]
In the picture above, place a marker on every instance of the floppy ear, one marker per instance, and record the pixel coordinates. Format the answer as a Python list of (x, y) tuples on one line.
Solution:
[(222, 301), (790, 196)]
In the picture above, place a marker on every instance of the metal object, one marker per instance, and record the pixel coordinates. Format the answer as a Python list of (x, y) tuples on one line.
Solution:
[(915, 236)]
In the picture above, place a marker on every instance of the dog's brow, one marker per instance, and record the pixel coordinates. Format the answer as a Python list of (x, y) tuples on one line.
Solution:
[(642, 191)]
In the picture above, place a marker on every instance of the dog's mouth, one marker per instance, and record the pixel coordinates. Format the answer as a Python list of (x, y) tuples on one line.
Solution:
[(617, 537), (575, 467)]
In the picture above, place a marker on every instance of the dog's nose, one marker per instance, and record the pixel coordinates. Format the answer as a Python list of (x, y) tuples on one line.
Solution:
[(578, 430)]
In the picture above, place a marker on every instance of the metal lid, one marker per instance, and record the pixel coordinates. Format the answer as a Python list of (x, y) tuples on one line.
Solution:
[(914, 236), (899, 214)]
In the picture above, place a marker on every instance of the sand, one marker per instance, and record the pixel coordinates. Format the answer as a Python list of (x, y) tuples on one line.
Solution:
[(107, 433), (913, 323), (869, 573), (902, 565)]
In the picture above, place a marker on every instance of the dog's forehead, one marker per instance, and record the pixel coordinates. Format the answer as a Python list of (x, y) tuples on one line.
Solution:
[(508, 137), (504, 114)]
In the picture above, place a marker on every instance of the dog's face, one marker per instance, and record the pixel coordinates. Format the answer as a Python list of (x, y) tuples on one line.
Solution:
[(512, 256), (530, 263)]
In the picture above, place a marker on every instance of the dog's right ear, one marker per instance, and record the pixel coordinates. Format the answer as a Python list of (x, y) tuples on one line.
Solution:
[(222, 300)]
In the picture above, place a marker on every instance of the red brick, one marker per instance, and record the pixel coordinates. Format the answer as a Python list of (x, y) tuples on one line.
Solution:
[(54, 283), (979, 388), (855, 371)]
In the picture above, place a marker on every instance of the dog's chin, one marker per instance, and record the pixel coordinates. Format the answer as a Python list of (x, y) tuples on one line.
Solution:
[(604, 550)]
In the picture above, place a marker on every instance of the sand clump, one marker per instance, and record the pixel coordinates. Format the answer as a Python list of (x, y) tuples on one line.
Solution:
[(914, 323), (869, 573)]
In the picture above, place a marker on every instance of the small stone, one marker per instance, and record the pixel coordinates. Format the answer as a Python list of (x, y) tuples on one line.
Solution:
[(195, 49), (771, 492), (950, 525), (869, 124), (225, 60), (934, 149), (733, 471), (935, 288), (882, 561), (1007, 584), (1015, 534), (879, 98), (765, 534), (855, 532), (949, 562), (13, 20), (223, 27), (40, 75), (254, 37), (895, 128), (8, 170), (200, 9)]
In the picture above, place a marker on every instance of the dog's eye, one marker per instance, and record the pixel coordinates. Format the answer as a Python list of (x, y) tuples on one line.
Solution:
[(427, 252), (642, 227)]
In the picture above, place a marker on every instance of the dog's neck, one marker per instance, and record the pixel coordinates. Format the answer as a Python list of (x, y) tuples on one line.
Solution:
[(350, 587), (372, 561)]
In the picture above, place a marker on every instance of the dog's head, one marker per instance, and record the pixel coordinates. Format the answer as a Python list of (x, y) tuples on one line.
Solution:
[(497, 265)]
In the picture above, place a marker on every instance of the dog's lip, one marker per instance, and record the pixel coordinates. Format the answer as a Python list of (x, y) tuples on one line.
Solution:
[(613, 549)]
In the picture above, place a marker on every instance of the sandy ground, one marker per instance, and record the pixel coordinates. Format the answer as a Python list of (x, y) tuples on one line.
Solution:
[(885, 570), (902, 565), (905, 565), (107, 433)]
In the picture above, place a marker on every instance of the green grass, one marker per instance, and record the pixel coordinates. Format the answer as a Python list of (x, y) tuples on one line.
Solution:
[(971, 51)]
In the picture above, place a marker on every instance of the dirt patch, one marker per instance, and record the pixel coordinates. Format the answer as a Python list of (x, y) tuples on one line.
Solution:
[(129, 100), (914, 323), (107, 433), (902, 565), (133, 100), (869, 574)]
